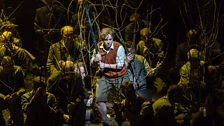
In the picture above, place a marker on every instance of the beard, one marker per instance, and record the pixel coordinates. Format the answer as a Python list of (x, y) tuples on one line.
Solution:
[(69, 42)]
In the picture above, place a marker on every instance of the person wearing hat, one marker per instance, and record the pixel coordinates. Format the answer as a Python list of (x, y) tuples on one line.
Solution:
[(40, 106)]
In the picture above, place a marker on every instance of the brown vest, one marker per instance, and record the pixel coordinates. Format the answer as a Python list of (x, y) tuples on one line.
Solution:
[(110, 58)]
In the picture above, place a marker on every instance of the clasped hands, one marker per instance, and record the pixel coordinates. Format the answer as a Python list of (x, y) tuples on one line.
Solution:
[(98, 59), (11, 97)]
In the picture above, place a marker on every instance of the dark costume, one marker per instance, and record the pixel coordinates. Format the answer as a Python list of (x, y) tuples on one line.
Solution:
[(66, 83), (12, 85), (41, 112)]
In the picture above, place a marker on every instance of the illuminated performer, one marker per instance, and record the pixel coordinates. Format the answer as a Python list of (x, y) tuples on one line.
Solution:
[(111, 61)]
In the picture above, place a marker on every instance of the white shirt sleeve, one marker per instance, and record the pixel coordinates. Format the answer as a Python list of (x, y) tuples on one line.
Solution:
[(120, 58)]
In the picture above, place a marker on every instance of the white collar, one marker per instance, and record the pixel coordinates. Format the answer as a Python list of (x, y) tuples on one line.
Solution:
[(111, 47)]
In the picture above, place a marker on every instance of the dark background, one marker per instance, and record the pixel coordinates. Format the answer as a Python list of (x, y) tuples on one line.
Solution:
[(170, 10)]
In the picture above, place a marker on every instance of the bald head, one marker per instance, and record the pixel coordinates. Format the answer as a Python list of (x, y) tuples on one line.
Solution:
[(193, 54), (68, 37), (67, 30), (6, 35)]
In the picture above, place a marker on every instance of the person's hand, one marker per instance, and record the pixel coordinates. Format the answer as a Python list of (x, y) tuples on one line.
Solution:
[(212, 68), (123, 102), (102, 65), (180, 118), (98, 58), (15, 95), (145, 50), (61, 63), (8, 98), (66, 118), (161, 54), (91, 100), (11, 97)]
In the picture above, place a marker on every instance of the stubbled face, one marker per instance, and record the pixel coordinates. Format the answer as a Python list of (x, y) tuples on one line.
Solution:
[(68, 35), (82, 71), (108, 40)]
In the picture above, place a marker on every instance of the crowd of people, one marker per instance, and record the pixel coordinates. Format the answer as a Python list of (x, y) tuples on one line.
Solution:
[(125, 76)]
